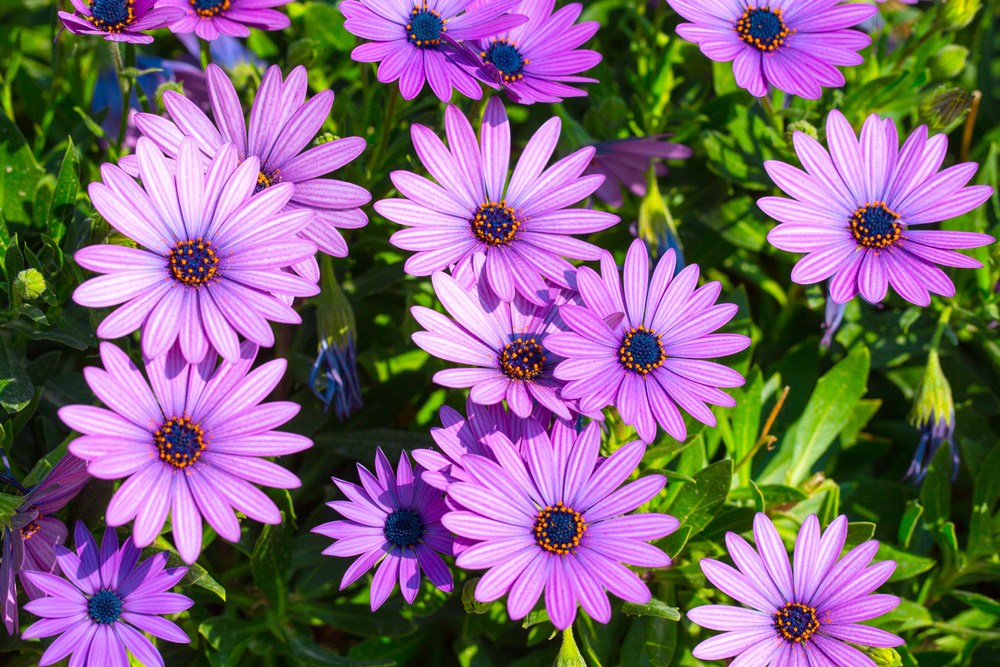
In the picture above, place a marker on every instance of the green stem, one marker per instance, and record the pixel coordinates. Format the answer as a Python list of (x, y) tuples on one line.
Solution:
[(387, 131), (941, 325), (206, 53), (772, 115), (123, 85)]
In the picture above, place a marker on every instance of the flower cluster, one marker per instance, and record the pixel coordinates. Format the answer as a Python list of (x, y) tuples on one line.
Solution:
[(218, 217), (522, 46)]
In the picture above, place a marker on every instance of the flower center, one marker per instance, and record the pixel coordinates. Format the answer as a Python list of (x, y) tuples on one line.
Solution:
[(180, 442), (763, 27), (495, 223), (264, 181), (558, 529), (112, 15), (641, 350), (30, 529), (403, 528), (876, 226), (194, 262), (104, 607), (425, 27), (506, 58), (796, 622), (522, 359), (206, 9)]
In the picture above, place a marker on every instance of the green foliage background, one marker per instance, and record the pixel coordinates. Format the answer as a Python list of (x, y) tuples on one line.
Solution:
[(840, 442)]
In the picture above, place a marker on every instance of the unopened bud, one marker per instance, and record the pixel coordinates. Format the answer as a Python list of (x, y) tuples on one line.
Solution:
[(803, 126), (959, 13), (29, 284), (885, 657), (949, 62), (469, 601), (945, 108)]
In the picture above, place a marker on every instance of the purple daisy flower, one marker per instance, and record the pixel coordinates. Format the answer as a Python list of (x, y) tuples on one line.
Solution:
[(119, 20), (103, 603), (410, 40), (458, 436), (534, 62), (281, 126), (855, 211), (644, 349), (395, 520), (30, 542), (550, 518), (507, 235), (505, 342), (792, 45), (211, 261), (211, 19), (624, 163), (800, 615), (193, 446)]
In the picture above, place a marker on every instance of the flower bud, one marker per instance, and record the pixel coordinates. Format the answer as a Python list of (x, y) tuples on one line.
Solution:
[(334, 375), (469, 601), (885, 657), (959, 13), (29, 284), (945, 108), (934, 414), (803, 126), (656, 225), (949, 62)]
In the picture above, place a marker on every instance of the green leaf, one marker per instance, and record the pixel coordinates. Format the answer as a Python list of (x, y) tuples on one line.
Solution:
[(908, 565), (268, 563), (911, 515), (306, 652), (16, 388), (650, 642), (858, 532), (827, 413), (979, 601), (19, 174), (357, 619), (746, 421), (197, 576), (758, 497), (697, 504), (935, 495), (64, 197), (654, 607), (8, 507)]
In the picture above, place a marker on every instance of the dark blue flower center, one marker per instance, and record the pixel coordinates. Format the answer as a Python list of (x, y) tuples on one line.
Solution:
[(763, 28), (522, 359), (112, 15), (403, 528), (506, 58), (180, 442), (266, 180), (641, 350), (194, 262), (425, 27), (558, 529), (209, 8), (495, 223), (104, 607), (796, 622), (876, 226)]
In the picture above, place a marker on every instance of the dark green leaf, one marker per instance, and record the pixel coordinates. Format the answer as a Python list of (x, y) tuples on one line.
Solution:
[(64, 197), (654, 607)]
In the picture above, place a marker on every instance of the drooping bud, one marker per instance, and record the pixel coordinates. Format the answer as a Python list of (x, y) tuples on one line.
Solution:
[(656, 225), (334, 375), (934, 415)]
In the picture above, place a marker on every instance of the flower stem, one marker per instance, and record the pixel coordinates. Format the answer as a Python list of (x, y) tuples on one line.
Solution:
[(206, 53), (124, 85), (941, 325)]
